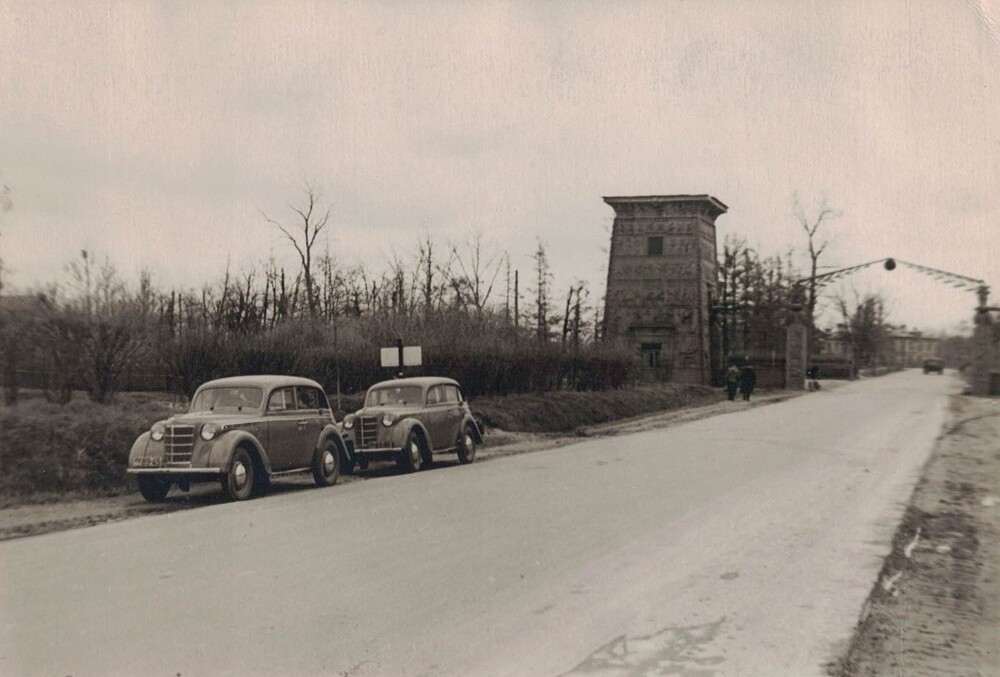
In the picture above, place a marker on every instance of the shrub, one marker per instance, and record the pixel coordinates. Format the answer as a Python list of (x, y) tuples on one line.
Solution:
[(81, 446)]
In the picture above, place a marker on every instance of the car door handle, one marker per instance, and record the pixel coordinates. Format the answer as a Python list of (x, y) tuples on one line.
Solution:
[(303, 423)]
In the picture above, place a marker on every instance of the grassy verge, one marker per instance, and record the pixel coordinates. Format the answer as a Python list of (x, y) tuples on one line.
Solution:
[(562, 412), (49, 450), (52, 452)]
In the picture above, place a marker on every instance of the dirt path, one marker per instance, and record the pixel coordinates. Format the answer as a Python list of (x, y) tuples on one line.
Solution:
[(936, 607)]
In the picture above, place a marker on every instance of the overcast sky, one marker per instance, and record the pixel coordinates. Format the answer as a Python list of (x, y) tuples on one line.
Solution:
[(156, 133)]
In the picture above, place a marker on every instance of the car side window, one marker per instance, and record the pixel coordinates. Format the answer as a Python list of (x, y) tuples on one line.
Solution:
[(433, 396), (307, 397), (282, 399), (451, 392), (323, 402)]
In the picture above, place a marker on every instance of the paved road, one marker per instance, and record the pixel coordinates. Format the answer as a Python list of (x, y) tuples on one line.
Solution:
[(744, 544)]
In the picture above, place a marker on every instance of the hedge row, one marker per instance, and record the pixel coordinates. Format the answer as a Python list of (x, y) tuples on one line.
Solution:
[(77, 447)]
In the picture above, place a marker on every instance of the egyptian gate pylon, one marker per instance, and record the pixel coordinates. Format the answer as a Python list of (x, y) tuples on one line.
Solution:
[(661, 282)]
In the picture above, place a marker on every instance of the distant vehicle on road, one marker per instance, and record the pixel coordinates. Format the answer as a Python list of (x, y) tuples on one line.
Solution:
[(241, 431), (408, 420), (933, 364)]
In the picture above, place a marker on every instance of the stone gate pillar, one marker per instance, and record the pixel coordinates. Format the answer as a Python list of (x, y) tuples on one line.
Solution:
[(795, 354), (796, 345), (982, 346)]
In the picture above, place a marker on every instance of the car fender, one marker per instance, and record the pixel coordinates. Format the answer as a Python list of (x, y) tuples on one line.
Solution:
[(331, 432), (138, 448), (468, 420), (225, 445), (401, 431)]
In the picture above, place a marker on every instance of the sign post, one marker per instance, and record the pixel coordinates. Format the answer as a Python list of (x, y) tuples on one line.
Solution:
[(398, 357)]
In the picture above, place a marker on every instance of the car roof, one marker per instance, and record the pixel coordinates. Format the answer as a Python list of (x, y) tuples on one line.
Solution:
[(422, 381), (266, 381)]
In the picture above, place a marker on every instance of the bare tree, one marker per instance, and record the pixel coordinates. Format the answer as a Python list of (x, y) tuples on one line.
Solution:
[(113, 322), (864, 326), (309, 224), (6, 205), (478, 272), (811, 223), (543, 282)]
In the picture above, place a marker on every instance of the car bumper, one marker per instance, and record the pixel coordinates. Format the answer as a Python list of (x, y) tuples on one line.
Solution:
[(175, 471), (376, 453)]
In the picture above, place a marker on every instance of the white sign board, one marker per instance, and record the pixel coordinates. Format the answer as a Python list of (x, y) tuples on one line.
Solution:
[(412, 357)]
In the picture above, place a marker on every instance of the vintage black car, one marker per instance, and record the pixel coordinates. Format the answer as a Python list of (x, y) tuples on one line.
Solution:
[(409, 420), (934, 364), (241, 432)]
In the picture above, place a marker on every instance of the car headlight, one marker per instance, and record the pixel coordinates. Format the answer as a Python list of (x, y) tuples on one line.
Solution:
[(157, 431), (388, 420), (208, 431), (348, 422)]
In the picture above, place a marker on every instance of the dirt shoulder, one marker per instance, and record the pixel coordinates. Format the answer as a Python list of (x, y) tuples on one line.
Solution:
[(18, 521), (935, 609)]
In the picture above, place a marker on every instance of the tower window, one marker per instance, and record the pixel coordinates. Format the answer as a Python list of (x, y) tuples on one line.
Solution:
[(654, 246), (651, 354)]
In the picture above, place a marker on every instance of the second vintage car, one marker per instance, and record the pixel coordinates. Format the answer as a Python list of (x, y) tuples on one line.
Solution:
[(934, 364), (409, 420), (241, 432)]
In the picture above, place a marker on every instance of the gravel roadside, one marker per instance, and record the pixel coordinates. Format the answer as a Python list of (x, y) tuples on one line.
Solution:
[(935, 609), (33, 519)]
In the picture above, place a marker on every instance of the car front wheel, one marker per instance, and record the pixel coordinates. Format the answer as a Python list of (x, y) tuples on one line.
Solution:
[(466, 446), (238, 483), (411, 456), (326, 465), (153, 489)]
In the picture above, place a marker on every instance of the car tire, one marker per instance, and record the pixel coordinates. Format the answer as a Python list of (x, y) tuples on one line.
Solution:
[(466, 446), (238, 483), (154, 489), (326, 465), (411, 456)]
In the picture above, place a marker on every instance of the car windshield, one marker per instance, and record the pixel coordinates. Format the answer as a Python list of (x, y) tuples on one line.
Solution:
[(398, 395), (227, 400)]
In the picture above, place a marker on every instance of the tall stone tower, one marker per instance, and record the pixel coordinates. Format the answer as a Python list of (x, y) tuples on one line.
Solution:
[(661, 282)]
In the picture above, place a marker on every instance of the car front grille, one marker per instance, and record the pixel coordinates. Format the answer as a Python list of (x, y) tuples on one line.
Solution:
[(368, 432), (178, 441)]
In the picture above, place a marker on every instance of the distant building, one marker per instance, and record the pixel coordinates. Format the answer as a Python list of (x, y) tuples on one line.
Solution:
[(902, 347), (661, 282), (910, 348), (833, 346)]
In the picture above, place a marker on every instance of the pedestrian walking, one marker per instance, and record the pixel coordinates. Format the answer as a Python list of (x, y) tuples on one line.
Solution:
[(748, 381), (732, 381)]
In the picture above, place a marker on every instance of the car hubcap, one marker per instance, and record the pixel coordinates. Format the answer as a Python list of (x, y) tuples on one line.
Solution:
[(469, 444), (240, 476), (329, 462), (415, 451)]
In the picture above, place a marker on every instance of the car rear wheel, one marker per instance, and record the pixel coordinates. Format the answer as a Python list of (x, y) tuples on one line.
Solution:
[(326, 465), (153, 489), (411, 455), (238, 483), (466, 446)]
